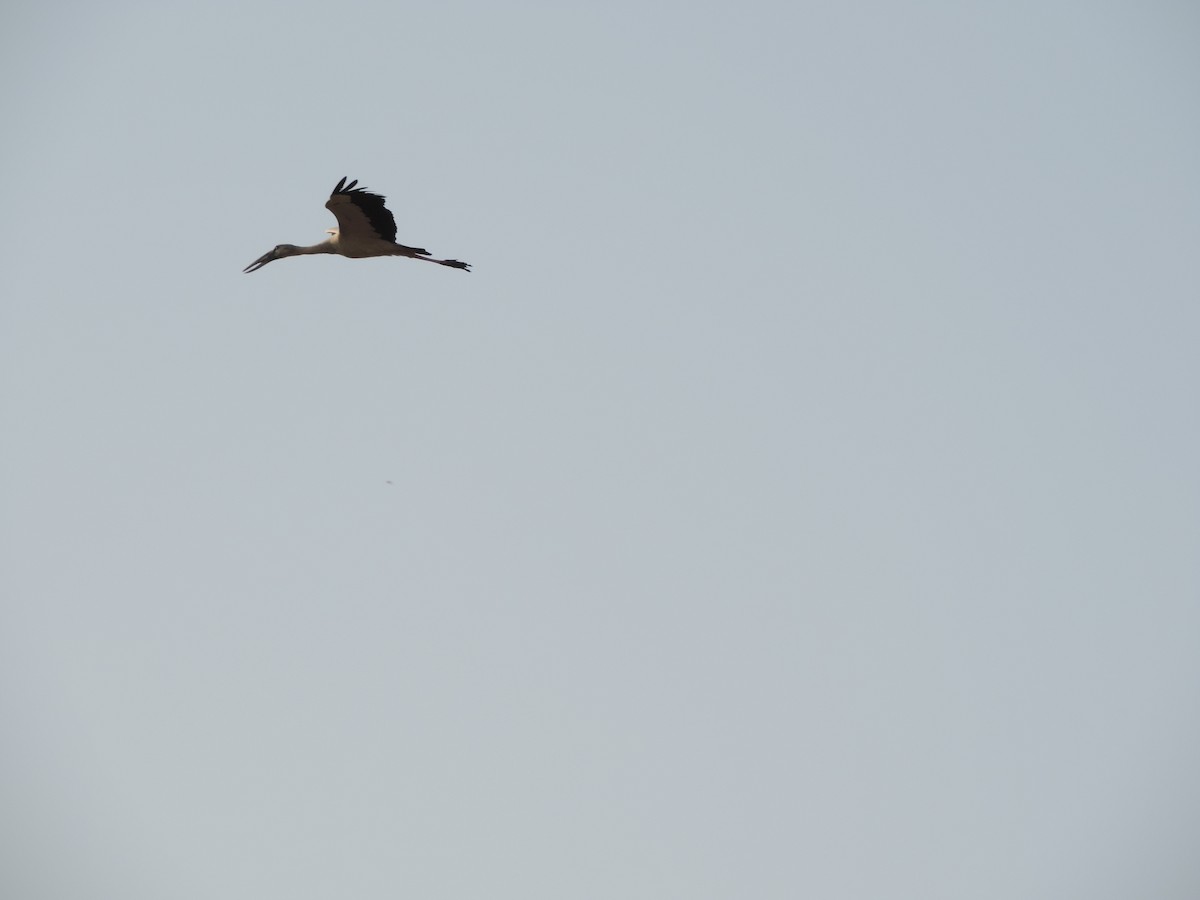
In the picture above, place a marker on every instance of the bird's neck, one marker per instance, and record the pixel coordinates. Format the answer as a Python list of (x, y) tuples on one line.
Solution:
[(326, 246)]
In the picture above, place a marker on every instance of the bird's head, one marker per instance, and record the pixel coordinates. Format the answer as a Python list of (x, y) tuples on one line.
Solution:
[(283, 250)]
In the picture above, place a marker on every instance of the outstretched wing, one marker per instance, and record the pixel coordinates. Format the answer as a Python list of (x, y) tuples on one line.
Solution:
[(360, 214)]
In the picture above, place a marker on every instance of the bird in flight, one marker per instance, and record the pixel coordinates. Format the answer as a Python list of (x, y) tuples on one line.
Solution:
[(365, 228)]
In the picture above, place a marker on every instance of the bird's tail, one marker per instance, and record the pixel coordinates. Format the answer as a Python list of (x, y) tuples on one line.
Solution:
[(401, 250)]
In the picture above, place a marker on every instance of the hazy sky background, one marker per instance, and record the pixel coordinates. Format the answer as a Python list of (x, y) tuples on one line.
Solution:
[(801, 498)]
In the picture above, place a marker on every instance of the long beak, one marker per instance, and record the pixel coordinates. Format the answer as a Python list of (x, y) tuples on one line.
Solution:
[(260, 262)]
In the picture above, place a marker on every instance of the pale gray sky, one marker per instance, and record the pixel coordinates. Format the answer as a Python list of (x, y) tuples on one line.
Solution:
[(800, 499)]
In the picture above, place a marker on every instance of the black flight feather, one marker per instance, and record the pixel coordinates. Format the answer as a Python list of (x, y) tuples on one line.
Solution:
[(373, 208)]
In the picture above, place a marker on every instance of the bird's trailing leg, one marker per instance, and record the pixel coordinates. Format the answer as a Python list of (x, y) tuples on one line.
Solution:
[(414, 253)]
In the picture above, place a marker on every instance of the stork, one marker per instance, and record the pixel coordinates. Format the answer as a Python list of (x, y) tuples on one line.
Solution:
[(365, 228)]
